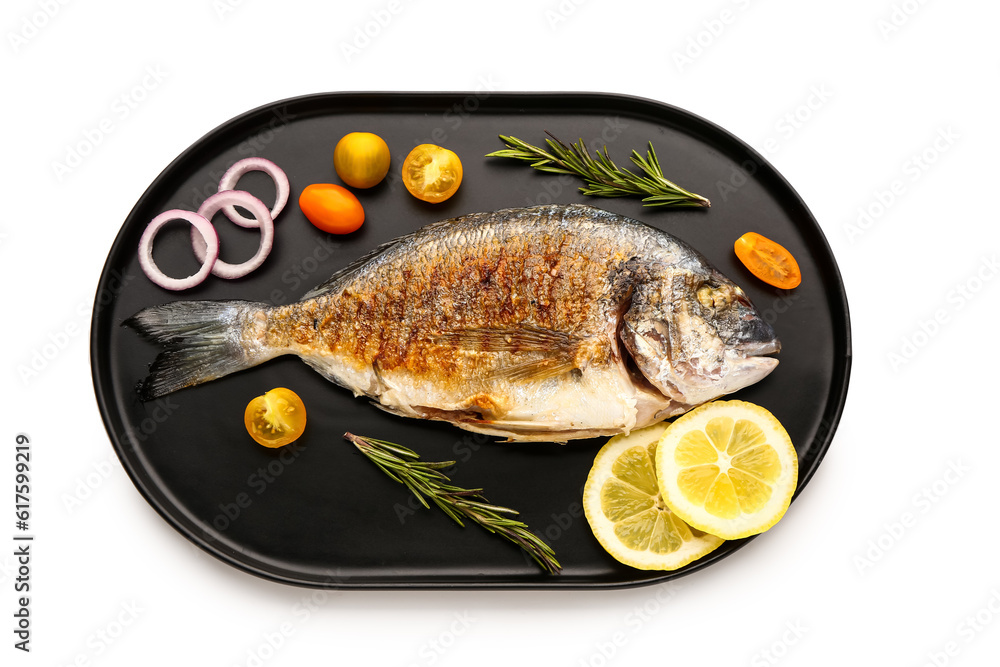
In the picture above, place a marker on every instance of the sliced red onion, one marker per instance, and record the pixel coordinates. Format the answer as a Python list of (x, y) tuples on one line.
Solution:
[(232, 177), (262, 216), (201, 229)]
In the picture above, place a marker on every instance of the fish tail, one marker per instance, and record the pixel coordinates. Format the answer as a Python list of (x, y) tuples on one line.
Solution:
[(202, 341)]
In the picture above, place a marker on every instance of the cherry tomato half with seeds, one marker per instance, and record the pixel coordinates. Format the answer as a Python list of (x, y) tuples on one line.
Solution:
[(768, 261), (431, 173), (275, 419), (332, 208)]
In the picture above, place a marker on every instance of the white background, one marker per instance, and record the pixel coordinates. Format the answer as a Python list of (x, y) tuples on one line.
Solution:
[(886, 558)]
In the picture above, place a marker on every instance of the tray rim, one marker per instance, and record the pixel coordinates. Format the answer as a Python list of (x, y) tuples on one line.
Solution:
[(831, 417)]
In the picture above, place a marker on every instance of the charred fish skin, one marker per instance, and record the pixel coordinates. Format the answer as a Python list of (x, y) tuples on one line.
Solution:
[(562, 269), (545, 323)]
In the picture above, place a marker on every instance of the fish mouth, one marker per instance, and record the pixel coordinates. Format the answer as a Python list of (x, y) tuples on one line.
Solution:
[(758, 348)]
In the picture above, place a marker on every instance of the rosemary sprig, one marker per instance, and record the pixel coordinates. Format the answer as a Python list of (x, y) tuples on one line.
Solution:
[(425, 480), (603, 177)]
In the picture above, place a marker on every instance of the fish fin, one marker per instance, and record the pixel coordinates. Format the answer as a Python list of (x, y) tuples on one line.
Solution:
[(560, 349), (522, 339), (393, 410), (202, 341), (539, 369), (320, 366), (380, 384), (422, 412), (342, 276)]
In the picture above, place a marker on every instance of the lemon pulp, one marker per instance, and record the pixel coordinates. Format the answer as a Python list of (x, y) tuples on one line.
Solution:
[(623, 505), (728, 468)]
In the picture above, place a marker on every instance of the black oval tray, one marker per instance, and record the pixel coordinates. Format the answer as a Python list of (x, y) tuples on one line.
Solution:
[(318, 513)]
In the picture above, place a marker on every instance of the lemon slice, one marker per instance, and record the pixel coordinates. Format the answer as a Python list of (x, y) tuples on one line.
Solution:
[(727, 468), (624, 508)]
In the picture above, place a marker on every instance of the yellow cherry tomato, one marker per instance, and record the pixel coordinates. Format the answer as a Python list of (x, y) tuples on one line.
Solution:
[(432, 173), (276, 418), (361, 159), (332, 208)]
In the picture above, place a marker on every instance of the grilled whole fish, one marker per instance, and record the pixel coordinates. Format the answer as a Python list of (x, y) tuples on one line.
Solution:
[(547, 323)]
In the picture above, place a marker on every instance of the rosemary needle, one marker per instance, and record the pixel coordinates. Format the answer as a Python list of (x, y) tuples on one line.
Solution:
[(602, 176), (425, 480)]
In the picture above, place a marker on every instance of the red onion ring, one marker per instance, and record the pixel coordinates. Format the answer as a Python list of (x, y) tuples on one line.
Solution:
[(202, 229), (262, 216), (232, 177)]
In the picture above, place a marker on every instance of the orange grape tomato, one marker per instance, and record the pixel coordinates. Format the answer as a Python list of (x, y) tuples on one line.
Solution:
[(432, 173), (276, 418), (768, 261), (332, 208)]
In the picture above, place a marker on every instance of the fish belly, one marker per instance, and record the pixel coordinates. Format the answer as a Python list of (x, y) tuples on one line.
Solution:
[(588, 403)]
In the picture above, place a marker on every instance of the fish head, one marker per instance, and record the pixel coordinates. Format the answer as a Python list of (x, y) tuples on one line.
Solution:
[(696, 336)]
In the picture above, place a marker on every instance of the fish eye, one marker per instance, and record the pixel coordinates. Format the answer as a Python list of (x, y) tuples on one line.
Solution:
[(714, 296), (705, 297)]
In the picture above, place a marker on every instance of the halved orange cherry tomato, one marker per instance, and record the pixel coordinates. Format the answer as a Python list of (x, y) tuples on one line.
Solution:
[(432, 173), (332, 208), (276, 418), (768, 261)]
